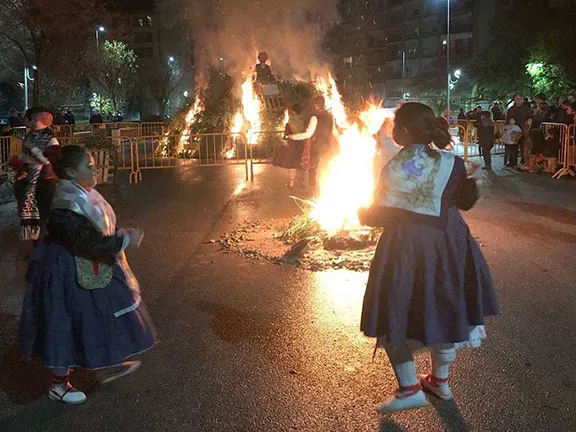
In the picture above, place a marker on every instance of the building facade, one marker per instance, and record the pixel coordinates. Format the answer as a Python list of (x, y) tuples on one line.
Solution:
[(156, 37), (386, 44)]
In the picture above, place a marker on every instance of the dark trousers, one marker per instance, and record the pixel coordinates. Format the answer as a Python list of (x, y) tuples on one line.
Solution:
[(511, 155), (486, 152)]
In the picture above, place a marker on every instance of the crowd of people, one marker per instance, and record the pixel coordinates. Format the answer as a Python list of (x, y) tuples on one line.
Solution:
[(524, 134)]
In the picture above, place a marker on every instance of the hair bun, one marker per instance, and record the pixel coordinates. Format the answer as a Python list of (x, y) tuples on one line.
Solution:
[(441, 137)]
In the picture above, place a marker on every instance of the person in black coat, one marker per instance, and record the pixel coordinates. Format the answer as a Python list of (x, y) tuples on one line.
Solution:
[(96, 118), (486, 138)]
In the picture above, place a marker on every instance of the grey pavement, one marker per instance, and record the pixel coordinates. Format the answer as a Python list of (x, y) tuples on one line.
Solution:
[(253, 346)]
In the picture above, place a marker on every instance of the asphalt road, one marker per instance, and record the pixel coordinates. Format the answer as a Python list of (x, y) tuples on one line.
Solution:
[(252, 346)]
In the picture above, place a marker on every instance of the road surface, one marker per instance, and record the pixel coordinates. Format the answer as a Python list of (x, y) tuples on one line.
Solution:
[(253, 346)]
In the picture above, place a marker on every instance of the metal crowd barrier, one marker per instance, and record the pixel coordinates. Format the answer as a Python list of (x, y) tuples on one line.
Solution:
[(263, 147), (567, 154), (467, 143), (171, 151), (10, 146), (152, 128)]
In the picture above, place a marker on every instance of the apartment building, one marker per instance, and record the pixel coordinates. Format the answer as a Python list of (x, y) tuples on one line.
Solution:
[(385, 43)]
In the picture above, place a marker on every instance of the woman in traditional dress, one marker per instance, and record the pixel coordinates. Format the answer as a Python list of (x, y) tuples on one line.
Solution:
[(295, 154), (429, 285), (35, 179), (83, 306)]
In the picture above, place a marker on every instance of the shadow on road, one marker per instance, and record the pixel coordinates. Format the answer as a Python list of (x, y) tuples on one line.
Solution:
[(22, 381), (389, 425), (450, 415)]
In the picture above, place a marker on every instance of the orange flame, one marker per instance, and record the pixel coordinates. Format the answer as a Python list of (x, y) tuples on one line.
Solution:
[(197, 108), (237, 125), (251, 110), (348, 183)]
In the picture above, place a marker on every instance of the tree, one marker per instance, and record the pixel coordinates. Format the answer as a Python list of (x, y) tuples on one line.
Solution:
[(50, 34), (431, 88), (531, 51), (113, 73), (163, 82)]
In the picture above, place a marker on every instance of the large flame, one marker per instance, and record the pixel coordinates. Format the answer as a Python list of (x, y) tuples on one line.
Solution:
[(190, 117), (237, 125), (329, 89), (251, 107), (348, 183)]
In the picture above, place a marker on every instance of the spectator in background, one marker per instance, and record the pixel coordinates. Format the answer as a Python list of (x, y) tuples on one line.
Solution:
[(559, 115), (551, 150), (96, 118), (527, 144), (462, 114), (497, 113), (511, 136), (570, 110), (541, 112), (520, 111), (58, 117), (69, 117), (486, 138), (571, 98), (13, 119)]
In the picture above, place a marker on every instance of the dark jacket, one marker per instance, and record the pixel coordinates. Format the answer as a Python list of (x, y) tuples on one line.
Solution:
[(96, 118), (519, 113), (79, 236), (486, 133), (323, 140)]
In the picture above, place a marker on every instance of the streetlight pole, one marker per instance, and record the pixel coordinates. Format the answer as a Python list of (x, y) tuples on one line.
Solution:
[(26, 79), (403, 75), (25, 89), (98, 30), (448, 58)]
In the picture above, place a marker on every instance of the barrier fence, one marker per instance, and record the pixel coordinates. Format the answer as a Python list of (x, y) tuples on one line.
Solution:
[(136, 151), (467, 145), (168, 151), (567, 156)]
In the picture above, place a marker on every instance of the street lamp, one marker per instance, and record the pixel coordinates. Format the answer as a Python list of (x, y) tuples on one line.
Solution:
[(27, 78), (98, 30), (452, 82), (170, 59), (447, 43)]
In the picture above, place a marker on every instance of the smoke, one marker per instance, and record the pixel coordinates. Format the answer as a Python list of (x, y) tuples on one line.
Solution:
[(229, 34)]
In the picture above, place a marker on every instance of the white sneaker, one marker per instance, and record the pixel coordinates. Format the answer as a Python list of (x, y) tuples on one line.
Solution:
[(403, 403), (440, 389), (66, 393)]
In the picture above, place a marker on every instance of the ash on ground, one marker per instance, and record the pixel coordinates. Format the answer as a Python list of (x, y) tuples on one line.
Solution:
[(315, 251)]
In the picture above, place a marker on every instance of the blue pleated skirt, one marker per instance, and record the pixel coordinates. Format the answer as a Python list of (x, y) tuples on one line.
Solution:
[(67, 326)]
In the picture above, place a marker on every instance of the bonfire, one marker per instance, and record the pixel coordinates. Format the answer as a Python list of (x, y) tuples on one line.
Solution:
[(327, 233)]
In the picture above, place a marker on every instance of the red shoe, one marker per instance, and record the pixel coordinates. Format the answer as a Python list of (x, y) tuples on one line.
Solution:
[(438, 386)]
